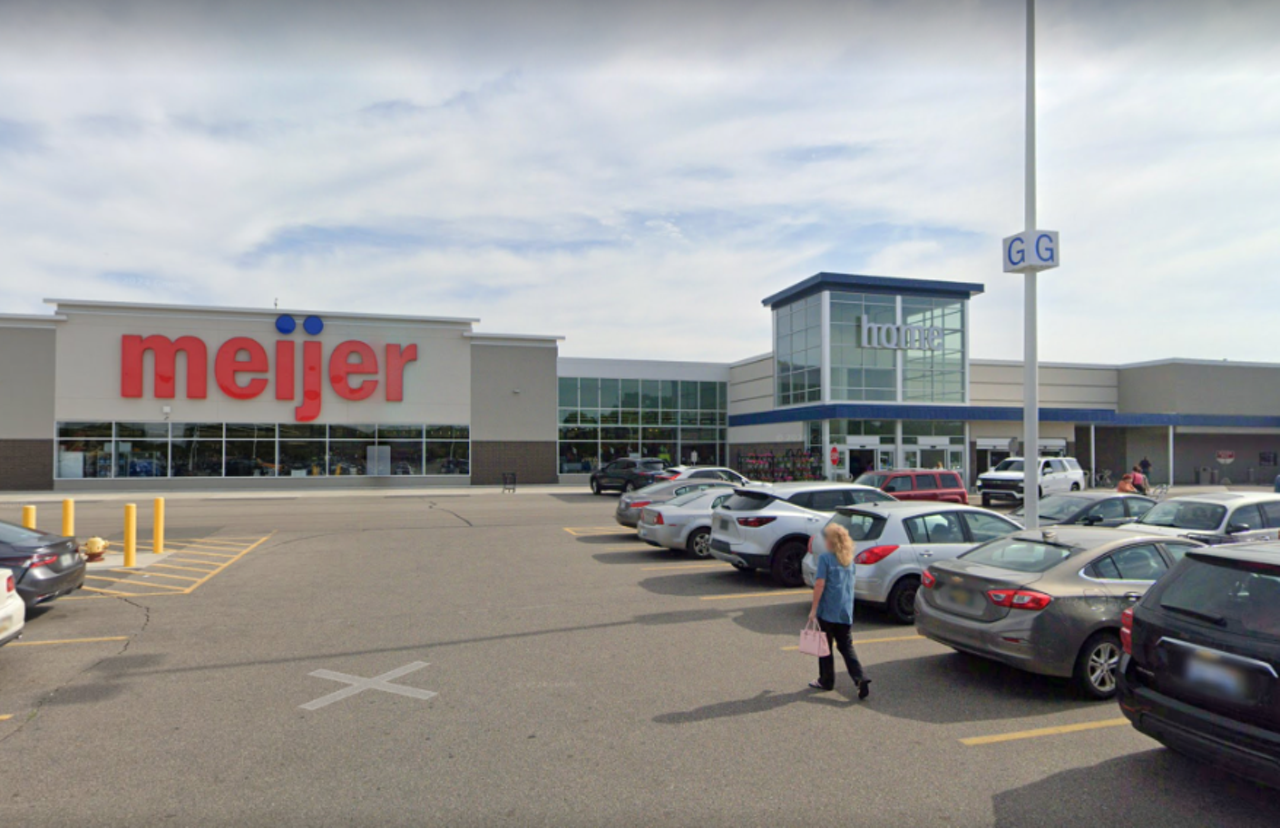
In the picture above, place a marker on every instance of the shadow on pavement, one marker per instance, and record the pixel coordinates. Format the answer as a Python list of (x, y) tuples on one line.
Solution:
[(763, 702), (648, 555), (975, 690), (613, 539), (583, 497), (709, 582), (1156, 787), (787, 618), (112, 679)]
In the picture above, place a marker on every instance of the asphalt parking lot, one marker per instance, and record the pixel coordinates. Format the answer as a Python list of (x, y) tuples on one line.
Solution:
[(490, 659)]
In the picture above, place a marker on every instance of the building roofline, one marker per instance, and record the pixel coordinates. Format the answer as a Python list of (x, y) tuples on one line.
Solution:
[(749, 360), (521, 337), (146, 306), (873, 284)]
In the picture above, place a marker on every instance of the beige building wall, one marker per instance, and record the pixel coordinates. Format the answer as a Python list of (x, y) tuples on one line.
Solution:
[(513, 389), (1201, 388), (27, 379), (1061, 386), (751, 386)]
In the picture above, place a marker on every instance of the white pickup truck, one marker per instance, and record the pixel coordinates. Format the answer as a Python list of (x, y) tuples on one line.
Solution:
[(1004, 482)]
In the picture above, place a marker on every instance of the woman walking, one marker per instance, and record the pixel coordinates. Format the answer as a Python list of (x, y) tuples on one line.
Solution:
[(833, 609)]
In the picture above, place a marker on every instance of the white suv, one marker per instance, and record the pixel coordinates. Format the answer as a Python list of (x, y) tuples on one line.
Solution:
[(894, 543), (1004, 482), (769, 527)]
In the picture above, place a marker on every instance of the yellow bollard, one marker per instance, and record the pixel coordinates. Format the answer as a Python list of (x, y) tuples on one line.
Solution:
[(130, 535), (29, 517), (68, 518), (157, 527)]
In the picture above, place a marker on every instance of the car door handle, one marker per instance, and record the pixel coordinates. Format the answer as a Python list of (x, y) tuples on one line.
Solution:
[(925, 554), (1132, 596)]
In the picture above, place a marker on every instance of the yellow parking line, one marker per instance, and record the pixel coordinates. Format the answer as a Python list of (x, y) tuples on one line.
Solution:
[(1043, 731), (685, 566), (6, 717), (873, 640), (242, 553), (128, 581), (758, 594), (179, 568), (70, 641), (218, 555), (148, 572)]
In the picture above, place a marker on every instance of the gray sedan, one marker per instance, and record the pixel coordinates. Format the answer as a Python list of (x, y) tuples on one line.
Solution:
[(632, 503), (1047, 602)]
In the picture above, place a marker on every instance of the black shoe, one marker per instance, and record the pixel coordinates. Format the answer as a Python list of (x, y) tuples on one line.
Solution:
[(864, 688)]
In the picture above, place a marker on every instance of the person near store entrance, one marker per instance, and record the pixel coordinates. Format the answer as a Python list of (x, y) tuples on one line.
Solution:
[(1145, 465), (833, 609), (1139, 480), (1126, 485)]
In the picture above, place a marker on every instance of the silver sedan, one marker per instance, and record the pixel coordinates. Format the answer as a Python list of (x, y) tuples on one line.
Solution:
[(1047, 602), (683, 522), (630, 504)]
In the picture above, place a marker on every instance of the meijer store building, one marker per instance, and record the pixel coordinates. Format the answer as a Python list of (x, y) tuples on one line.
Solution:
[(863, 372)]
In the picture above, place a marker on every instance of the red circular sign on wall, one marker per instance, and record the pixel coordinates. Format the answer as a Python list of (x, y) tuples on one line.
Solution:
[(835, 456)]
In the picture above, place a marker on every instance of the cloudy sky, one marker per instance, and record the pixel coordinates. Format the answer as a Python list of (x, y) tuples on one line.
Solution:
[(638, 178)]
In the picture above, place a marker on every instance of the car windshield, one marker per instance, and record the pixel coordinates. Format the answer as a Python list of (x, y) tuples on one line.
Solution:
[(17, 535), (652, 465), (1185, 514), (860, 526), (1240, 596), (1056, 507), (1009, 466), (1020, 554), (874, 480)]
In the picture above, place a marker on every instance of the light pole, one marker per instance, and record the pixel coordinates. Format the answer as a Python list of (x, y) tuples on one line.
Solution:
[(1029, 252)]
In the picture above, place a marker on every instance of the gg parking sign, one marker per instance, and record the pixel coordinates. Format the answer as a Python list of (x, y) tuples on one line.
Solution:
[(1031, 251)]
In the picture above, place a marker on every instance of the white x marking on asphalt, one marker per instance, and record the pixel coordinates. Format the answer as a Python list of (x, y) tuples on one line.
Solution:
[(359, 685)]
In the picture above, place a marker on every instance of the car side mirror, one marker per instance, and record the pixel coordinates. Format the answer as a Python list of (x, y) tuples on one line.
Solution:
[(1237, 527), (1092, 520)]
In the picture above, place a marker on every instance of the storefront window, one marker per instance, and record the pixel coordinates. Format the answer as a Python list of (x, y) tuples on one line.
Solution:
[(78, 459), (406, 457), (142, 458), (352, 432), (251, 458), (196, 458), (798, 352), (302, 458), (448, 458), (935, 375), (197, 431), (349, 457), (857, 373)]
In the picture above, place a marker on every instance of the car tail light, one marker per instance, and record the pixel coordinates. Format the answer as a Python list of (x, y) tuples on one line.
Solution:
[(927, 580), (657, 519), (9, 585), (875, 554), (1023, 599), (1126, 631), (755, 522), (43, 559), (639, 504)]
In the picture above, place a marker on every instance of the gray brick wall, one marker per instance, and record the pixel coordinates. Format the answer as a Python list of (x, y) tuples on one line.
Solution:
[(26, 465), (532, 461)]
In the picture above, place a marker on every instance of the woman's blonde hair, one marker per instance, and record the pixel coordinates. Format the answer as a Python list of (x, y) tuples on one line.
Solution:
[(839, 543)]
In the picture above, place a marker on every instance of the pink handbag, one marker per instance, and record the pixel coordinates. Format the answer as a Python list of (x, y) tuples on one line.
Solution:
[(813, 641)]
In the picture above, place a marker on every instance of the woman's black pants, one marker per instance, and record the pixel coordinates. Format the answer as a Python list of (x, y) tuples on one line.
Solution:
[(838, 638)]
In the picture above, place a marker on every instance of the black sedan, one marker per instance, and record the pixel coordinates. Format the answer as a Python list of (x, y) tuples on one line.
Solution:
[(44, 566), (1105, 508)]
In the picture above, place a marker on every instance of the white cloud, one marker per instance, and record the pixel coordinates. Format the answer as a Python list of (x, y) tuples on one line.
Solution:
[(639, 179)]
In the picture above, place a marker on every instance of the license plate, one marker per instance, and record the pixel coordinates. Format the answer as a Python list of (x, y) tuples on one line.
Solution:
[(960, 597), (67, 559), (1216, 678)]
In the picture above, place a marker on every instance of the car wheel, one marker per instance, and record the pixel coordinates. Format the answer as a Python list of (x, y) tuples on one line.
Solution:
[(595, 488), (1075, 487), (1097, 666), (699, 543), (986, 502), (628, 487), (787, 563), (902, 600)]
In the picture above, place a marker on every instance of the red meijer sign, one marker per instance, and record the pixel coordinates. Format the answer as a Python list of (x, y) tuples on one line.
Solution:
[(242, 370)]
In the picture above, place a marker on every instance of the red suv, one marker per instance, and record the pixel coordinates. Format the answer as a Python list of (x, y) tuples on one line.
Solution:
[(919, 484)]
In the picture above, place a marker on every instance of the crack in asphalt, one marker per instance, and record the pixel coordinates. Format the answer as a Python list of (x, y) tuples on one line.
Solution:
[(47, 697)]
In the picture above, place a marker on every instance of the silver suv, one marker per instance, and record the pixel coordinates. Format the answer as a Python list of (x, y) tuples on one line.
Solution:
[(894, 542), (769, 527)]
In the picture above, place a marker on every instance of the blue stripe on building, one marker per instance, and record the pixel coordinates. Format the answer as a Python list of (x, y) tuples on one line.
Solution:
[(986, 413)]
